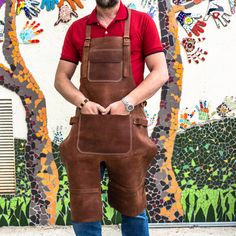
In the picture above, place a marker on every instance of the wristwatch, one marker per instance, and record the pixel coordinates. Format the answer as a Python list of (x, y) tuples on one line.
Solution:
[(128, 106)]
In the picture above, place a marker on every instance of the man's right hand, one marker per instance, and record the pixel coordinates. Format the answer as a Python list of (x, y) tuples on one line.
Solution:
[(92, 108)]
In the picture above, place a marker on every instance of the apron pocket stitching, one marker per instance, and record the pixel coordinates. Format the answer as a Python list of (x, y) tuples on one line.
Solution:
[(130, 143)]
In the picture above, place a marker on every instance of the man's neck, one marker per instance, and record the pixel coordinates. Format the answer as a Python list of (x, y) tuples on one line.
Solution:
[(108, 13)]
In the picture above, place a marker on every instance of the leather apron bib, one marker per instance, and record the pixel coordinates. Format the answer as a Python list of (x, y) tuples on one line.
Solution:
[(121, 141)]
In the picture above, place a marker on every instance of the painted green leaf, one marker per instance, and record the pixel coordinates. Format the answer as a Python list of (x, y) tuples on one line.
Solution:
[(215, 173), (13, 221), (191, 149), (200, 216), (23, 220), (219, 209), (177, 171), (109, 212), (1, 210), (68, 219), (183, 182), (193, 163), (224, 177), (211, 214), (185, 167), (221, 152), (3, 221), (60, 220)]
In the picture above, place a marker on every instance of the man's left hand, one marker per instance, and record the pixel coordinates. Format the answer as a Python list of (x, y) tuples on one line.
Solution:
[(116, 108)]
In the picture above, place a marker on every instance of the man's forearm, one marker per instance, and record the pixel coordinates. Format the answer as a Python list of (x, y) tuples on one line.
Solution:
[(148, 87), (67, 89)]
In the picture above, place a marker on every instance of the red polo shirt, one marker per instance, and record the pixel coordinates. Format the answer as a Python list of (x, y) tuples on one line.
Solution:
[(144, 37)]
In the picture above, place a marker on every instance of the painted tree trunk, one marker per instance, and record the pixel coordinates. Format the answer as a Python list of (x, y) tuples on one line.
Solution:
[(41, 168), (163, 192)]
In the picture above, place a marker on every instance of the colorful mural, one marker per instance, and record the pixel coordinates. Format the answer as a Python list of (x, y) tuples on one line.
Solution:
[(40, 168), (191, 179)]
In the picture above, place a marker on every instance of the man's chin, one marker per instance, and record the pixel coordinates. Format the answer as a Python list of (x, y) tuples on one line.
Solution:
[(105, 4)]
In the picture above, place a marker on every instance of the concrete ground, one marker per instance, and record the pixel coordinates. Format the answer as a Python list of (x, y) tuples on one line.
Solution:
[(115, 231)]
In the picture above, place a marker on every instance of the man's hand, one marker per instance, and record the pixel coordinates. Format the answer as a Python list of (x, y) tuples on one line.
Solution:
[(92, 108), (116, 108)]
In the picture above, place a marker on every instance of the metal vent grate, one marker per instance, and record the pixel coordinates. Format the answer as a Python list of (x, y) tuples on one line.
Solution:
[(7, 150)]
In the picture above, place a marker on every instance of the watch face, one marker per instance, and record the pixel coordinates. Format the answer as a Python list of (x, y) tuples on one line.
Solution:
[(130, 107)]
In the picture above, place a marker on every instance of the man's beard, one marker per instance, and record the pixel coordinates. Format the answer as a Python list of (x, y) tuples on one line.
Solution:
[(106, 3)]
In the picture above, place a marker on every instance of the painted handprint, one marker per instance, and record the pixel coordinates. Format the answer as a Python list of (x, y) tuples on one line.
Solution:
[(203, 110), (226, 108), (184, 2), (150, 120), (185, 119), (193, 53), (151, 5), (152, 11), (232, 4), (29, 32), (58, 136), (71, 3), (148, 3), (190, 23), (218, 14), (132, 6), (180, 2), (65, 14), (30, 7), (50, 4)]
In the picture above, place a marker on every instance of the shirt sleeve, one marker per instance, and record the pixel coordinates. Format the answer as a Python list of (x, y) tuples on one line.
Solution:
[(151, 38), (69, 52)]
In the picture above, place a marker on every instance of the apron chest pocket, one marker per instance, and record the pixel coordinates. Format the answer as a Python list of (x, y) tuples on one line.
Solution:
[(104, 134), (105, 65)]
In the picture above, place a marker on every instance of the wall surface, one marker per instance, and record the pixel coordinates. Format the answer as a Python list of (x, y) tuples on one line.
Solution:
[(194, 172)]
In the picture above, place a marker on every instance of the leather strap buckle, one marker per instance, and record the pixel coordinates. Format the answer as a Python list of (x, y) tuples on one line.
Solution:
[(73, 120), (140, 121), (87, 42), (126, 41), (144, 103)]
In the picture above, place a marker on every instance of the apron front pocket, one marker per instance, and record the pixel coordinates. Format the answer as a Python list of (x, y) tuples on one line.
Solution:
[(105, 65), (104, 134)]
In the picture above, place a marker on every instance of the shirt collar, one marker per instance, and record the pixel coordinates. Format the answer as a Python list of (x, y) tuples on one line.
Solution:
[(121, 14)]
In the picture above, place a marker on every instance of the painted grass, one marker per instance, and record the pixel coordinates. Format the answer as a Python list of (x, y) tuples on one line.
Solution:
[(209, 205)]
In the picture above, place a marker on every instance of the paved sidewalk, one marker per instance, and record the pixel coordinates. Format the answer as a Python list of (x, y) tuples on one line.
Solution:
[(115, 231)]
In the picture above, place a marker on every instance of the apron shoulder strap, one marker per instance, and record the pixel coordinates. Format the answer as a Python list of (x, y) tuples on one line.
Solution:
[(86, 46), (88, 32), (126, 46), (127, 24)]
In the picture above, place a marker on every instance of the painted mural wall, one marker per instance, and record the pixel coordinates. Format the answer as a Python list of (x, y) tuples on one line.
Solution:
[(191, 119)]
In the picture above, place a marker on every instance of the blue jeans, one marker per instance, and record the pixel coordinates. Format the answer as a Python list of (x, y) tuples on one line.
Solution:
[(130, 226)]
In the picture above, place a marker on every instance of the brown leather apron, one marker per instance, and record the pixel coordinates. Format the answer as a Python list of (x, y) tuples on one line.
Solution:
[(121, 141)]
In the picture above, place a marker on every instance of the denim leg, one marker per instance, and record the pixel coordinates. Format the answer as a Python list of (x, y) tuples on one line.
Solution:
[(135, 226), (89, 228)]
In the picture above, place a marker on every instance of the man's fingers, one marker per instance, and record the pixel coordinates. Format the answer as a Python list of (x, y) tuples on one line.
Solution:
[(101, 108), (107, 110)]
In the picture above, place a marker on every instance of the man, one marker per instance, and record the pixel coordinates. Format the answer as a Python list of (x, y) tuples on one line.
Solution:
[(111, 95)]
